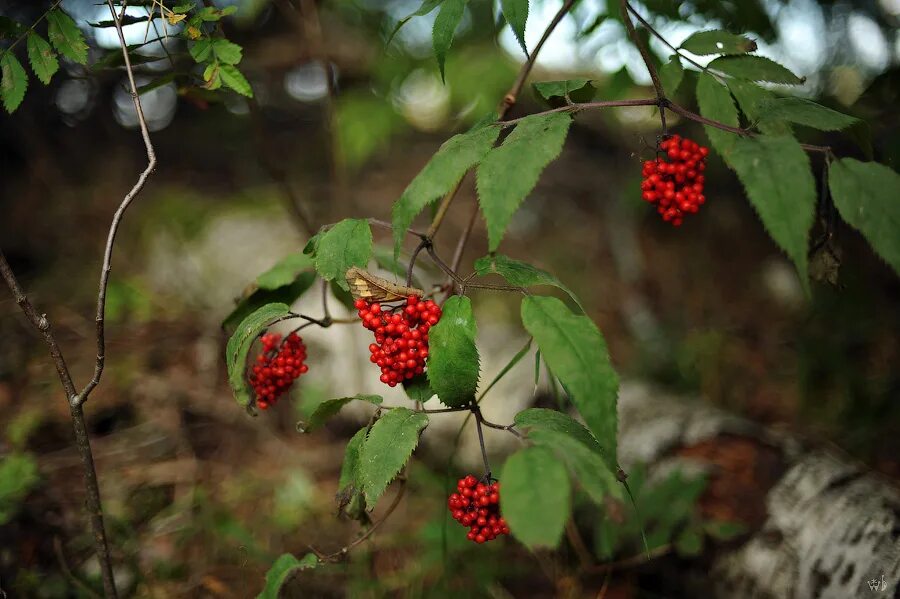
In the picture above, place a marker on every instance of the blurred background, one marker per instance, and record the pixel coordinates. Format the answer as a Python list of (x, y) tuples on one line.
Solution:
[(199, 497)]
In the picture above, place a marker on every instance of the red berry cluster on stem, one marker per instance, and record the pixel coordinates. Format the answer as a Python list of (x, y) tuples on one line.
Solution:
[(477, 505), (401, 336), (277, 367), (676, 185)]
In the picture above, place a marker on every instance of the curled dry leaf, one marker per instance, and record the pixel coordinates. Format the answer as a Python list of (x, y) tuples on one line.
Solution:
[(364, 285)]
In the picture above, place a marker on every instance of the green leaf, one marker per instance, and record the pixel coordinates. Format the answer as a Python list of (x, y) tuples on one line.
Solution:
[(751, 97), (239, 346), (212, 14), (201, 50), (516, 14), (804, 112), (722, 530), (329, 408), (754, 68), (426, 7), (776, 173), (453, 362), (384, 258), (576, 90), (456, 156), (520, 274), (260, 297), (18, 476), (343, 296), (66, 37), (542, 419), (350, 468), (689, 542), (227, 52), (284, 272), (509, 173), (575, 351), (234, 79), (14, 82), (535, 500), (42, 57), (717, 104), (346, 244), (283, 568), (670, 74), (418, 389), (387, 449), (448, 19), (587, 466), (867, 195), (718, 42)]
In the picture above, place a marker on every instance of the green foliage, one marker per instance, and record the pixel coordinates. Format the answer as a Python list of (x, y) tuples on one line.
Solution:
[(234, 79), (239, 346), (536, 496), (575, 351), (453, 362), (256, 298), (520, 274), (509, 366), (587, 467), (751, 99), (386, 450), (754, 68), (66, 37), (508, 173), (456, 156), (775, 172), (867, 195), (282, 570), (717, 104), (330, 408), (348, 243), (575, 90), (349, 478), (542, 419), (284, 272), (448, 19), (723, 530), (804, 112), (718, 42), (670, 75), (42, 57), (426, 7), (18, 476), (689, 542), (516, 14), (418, 389), (14, 82)]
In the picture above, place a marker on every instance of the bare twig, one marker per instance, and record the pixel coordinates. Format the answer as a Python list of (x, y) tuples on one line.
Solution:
[(120, 212), (634, 560), (648, 61)]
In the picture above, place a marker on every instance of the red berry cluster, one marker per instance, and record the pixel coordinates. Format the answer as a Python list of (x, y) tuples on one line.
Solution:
[(477, 505), (676, 186), (401, 336), (277, 367)]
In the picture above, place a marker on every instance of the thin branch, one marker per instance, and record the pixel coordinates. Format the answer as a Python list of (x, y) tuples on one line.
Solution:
[(660, 37), (325, 310), (648, 61), (120, 212), (484, 456), (343, 551), (64, 565), (634, 560), (512, 95), (578, 544)]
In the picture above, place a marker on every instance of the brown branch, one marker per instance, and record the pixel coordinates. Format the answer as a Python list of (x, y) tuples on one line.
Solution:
[(660, 37), (120, 212), (512, 96), (634, 560), (648, 61)]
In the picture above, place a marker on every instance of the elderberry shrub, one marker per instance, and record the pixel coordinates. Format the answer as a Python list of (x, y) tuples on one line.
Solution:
[(401, 336), (277, 367), (477, 506), (676, 186)]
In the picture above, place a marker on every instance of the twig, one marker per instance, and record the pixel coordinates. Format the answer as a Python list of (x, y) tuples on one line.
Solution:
[(343, 551), (648, 61), (578, 544), (660, 37), (120, 212), (512, 95), (484, 456), (634, 560), (325, 310), (64, 565)]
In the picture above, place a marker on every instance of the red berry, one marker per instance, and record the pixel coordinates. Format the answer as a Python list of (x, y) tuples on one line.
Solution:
[(676, 186)]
